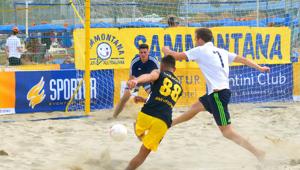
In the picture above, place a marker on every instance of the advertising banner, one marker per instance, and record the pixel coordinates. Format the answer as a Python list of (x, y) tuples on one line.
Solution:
[(7, 92), (192, 81), (296, 75), (246, 84), (250, 85), (45, 91), (113, 48)]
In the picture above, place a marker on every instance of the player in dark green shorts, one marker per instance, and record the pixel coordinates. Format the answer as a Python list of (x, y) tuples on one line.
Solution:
[(155, 117)]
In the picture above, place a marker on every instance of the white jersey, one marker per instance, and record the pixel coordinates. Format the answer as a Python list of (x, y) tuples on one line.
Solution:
[(214, 63), (13, 42)]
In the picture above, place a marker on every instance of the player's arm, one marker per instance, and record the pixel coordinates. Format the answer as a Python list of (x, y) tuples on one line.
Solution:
[(154, 75), (19, 49), (250, 63), (19, 46), (6, 51), (176, 55), (130, 74), (139, 99)]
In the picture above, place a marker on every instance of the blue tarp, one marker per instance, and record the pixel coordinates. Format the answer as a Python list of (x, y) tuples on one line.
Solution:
[(102, 25), (6, 29), (250, 23), (296, 22), (276, 21), (95, 25), (47, 28), (140, 24), (212, 23), (73, 27)]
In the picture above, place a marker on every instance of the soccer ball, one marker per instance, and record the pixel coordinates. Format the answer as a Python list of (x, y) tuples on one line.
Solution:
[(118, 132)]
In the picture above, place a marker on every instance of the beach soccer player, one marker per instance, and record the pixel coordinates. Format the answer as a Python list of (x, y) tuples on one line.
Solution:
[(141, 64), (214, 64), (155, 117)]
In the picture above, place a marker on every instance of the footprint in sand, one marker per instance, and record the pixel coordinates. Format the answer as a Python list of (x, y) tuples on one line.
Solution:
[(295, 162), (3, 153)]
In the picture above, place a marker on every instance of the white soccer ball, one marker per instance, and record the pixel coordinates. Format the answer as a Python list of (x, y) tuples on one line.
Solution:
[(118, 132)]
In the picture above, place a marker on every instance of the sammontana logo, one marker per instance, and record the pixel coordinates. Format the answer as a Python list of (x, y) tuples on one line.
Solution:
[(36, 94), (109, 50)]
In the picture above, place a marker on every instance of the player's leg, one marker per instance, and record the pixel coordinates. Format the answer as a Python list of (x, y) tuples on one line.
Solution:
[(156, 129), (230, 134), (139, 158), (120, 106), (199, 106), (141, 125), (219, 106)]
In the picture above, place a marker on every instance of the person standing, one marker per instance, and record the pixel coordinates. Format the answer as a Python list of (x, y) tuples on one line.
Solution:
[(13, 48)]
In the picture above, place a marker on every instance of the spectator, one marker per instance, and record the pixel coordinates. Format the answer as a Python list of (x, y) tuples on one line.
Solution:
[(68, 60), (13, 48), (271, 24), (172, 21), (46, 39)]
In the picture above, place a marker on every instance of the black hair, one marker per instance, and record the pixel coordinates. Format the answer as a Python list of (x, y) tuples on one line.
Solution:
[(204, 33), (168, 61), (171, 21), (15, 32), (143, 46)]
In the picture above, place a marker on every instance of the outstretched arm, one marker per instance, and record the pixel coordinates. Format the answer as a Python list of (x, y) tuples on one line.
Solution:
[(176, 55), (154, 75), (250, 63)]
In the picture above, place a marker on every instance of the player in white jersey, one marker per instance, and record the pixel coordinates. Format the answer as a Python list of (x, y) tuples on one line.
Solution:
[(214, 64), (13, 48)]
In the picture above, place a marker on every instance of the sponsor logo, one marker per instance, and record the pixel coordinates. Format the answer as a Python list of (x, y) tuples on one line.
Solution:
[(104, 51), (109, 50), (63, 89), (36, 94)]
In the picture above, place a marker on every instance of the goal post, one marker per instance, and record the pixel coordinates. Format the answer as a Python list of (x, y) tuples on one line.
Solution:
[(87, 75), (85, 82)]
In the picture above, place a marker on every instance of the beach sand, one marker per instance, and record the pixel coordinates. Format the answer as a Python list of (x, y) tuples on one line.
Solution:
[(85, 144)]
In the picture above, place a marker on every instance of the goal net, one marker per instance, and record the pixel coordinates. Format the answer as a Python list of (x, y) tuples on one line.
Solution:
[(101, 81), (266, 32)]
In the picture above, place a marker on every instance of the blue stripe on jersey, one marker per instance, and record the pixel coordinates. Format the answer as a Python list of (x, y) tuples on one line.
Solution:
[(133, 61)]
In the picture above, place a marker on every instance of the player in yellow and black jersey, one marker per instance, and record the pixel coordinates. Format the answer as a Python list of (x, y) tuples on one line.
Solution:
[(155, 117)]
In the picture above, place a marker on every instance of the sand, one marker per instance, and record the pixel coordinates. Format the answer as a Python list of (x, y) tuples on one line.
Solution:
[(85, 144)]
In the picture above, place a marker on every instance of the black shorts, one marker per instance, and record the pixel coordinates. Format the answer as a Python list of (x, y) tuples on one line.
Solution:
[(217, 104), (14, 61)]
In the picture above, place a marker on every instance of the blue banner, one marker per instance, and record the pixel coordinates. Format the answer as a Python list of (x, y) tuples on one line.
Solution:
[(250, 85), (44, 91)]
